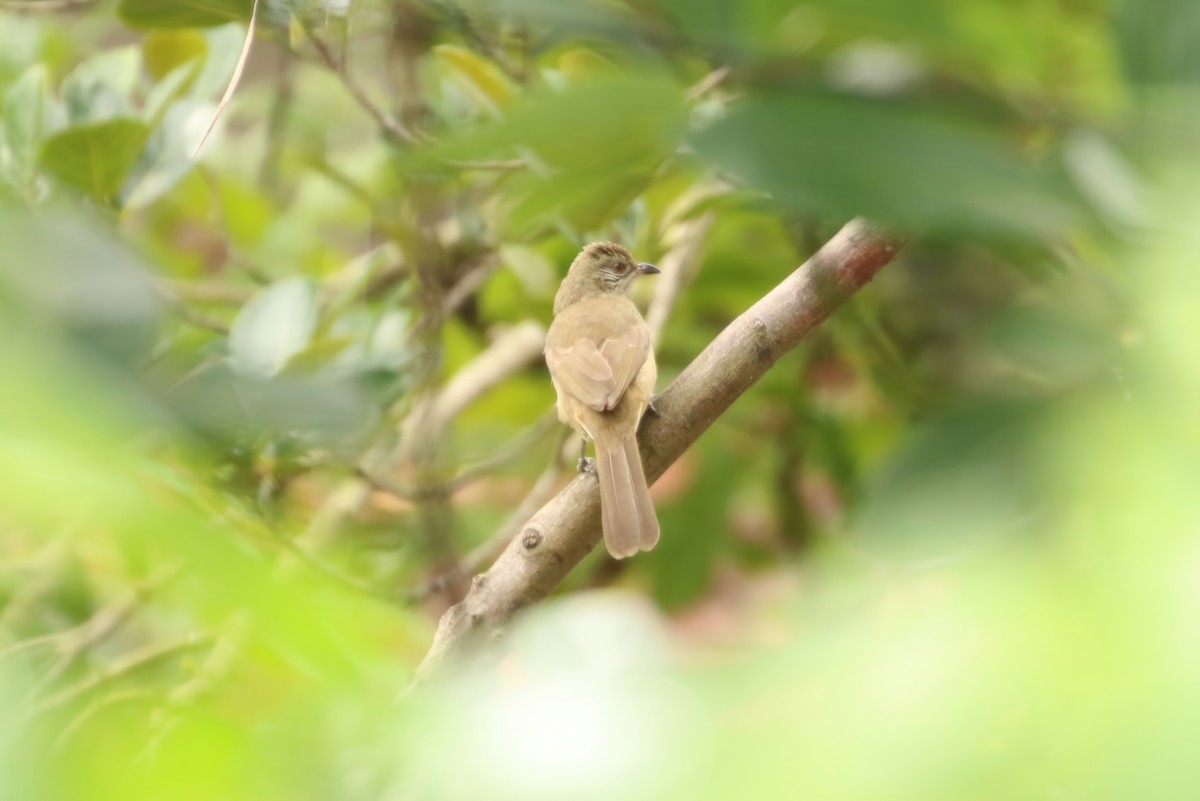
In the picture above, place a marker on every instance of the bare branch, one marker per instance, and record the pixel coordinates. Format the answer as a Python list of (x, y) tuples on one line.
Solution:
[(567, 528)]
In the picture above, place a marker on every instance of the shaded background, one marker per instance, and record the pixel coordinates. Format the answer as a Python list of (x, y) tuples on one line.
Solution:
[(264, 411)]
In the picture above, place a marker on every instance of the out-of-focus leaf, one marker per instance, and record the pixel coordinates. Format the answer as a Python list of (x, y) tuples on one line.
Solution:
[(29, 114), (960, 482), (168, 153), (1158, 39), (182, 13), (682, 566), (535, 271), (580, 64), (841, 156), (596, 145), (164, 51), (65, 269), (1106, 178), (227, 401), (247, 213), (484, 82), (168, 90), (273, 327), (95, 158), (224, 50), (100, 88)]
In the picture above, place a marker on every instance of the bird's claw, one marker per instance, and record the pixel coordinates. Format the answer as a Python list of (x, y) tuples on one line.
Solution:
[(586, 465), (652, 406)]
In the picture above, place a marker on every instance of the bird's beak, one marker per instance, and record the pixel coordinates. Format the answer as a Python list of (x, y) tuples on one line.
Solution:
[(648, 269)]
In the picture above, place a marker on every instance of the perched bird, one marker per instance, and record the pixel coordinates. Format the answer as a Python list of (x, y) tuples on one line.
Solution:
[(598, 352)]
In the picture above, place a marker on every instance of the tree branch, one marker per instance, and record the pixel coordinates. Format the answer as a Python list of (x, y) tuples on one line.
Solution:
[(563, 531)]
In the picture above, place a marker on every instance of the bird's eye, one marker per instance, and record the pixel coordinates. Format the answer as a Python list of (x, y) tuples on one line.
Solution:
[(620, 267)]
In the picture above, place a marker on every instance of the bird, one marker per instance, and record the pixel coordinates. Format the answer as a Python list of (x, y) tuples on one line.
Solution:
[(602, 366)]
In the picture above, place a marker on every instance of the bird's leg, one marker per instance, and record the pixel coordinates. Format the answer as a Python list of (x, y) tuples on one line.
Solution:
[(585, 465)]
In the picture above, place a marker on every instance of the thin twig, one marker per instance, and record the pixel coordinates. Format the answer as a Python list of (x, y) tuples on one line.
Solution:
[(233, 80), (188, 314), (142, 694), (490, 548), (706, 84), (385, 121), (74, 642), (130, 663), (328, 571), (515, 448), (506, 453)]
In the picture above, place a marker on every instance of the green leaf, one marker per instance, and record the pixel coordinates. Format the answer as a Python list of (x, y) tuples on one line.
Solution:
[(839, 156), (1158, 40), (95, 158), (165, 51), (274, 326), (100, 87), (168, 153), (595, 146), (182, 13), (29, 113), (480, 79), (532, 268)]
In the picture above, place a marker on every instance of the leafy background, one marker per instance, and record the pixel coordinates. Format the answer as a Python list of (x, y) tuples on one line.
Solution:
[(267, 405)]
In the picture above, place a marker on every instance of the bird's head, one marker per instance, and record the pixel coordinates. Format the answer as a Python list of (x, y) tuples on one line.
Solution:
[(601, 268)]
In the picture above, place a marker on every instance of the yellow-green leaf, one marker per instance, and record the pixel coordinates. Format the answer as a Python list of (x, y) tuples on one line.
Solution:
[(482, 81), (95, 158)]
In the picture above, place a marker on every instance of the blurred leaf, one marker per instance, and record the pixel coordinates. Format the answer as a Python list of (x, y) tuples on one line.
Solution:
[(682, 566), (1159, 40), (227, 402), (68, 271), (101, 87), (95, 158), (224, 44), (960, 482), (163, 51), (182, 13), (535, 271), (168, 90), (597, 145), (483, 81), (842, 156), (579, 65), (30, 112), (274, 326), (168, 156)]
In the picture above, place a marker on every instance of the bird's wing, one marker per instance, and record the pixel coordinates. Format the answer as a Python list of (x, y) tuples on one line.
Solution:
[(598, 374)]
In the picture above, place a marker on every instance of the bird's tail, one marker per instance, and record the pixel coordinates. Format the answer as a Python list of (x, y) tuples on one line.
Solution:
[(626, 511)]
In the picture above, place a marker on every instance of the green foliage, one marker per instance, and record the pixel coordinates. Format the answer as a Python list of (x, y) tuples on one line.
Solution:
[(95, 157), (838, 156), (247, 426), (151, 14)]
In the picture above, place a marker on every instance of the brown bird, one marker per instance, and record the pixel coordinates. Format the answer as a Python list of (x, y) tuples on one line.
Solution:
[(598, 351)]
